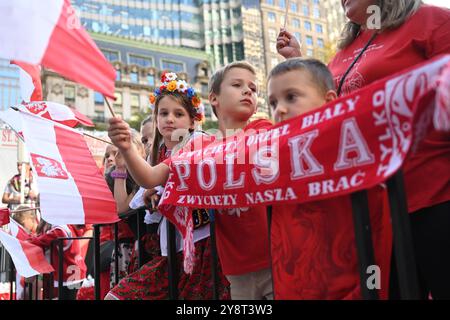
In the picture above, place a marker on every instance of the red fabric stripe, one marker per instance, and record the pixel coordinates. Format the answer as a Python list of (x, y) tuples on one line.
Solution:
[(72, 53), (4, 216), (35, 73), (36, 257), (98, 203)]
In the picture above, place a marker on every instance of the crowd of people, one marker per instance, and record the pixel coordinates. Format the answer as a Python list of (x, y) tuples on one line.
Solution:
[(312, 252)]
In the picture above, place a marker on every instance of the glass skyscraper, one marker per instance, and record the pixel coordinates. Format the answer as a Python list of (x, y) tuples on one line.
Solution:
[(211, 25)]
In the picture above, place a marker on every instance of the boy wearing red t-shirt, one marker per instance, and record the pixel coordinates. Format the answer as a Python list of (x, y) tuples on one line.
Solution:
[(242, 233), (313, 244)]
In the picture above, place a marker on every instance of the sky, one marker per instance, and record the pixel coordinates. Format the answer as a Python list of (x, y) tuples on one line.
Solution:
[(442, 3)]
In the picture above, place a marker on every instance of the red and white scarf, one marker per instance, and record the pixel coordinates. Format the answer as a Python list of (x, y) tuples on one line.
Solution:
[(350, 144)]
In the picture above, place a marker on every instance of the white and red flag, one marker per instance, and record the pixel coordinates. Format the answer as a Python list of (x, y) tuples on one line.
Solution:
[(17, 231), (48, 33), (72, 188), (30, 81), (28, 258), (56, 112)]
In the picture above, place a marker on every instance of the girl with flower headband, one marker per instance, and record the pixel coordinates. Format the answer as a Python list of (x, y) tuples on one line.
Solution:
[(176, 107)]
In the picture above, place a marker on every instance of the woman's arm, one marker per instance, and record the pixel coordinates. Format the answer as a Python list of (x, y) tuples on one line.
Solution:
[(143, 173)]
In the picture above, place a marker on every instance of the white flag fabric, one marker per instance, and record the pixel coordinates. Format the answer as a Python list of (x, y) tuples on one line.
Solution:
[(49, 33), (56, 112)]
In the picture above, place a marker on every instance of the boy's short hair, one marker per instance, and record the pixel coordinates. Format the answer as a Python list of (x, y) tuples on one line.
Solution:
[(318, 71), (23, 214), (217, 78)]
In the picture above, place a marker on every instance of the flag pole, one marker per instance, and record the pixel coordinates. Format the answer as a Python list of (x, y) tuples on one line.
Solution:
[(286, 15), (109, 107), (26, 209), (99, 139)]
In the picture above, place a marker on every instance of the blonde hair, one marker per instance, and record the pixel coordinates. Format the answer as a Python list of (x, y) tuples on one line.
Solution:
[(24, 214), (393, 14), (218, 76)]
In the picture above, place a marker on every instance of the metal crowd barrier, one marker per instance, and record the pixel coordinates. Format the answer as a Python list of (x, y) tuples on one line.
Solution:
[(402, 244)]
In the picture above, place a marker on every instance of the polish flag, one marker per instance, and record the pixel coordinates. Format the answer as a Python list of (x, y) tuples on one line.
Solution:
[(28, 258), (48, 33), (56, 112), (4, 216), (72, 188), (17, 231), (30, 81)]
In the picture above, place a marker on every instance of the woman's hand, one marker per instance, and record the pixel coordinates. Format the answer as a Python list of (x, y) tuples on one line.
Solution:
[(120, 134), (287, 45)]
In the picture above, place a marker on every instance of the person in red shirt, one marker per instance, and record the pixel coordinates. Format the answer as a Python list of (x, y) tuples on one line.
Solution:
[(74, 267), (410, 33), (176, 110), (313, 244), (242, 242)]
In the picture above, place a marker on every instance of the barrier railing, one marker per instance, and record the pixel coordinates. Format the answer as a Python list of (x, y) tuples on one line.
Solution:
[(402, 244)]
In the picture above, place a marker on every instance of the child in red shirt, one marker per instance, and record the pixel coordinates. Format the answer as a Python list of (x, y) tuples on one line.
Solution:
[(74, 267), (313, 244)]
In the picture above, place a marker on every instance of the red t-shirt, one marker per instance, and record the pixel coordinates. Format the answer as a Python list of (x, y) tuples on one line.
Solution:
[(242, 241), (424, 35), (314, 250), (74, 266)]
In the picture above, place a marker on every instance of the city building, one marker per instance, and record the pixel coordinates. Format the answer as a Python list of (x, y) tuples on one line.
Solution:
[(306, 20), (138, 71), (9, 84), (336, 20)]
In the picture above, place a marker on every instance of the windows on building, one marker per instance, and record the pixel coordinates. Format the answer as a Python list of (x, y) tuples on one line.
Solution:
[(111, 56), (151, 80), (305, 9), (320, 43), (134, 103), (140, 60), (294, 7), (134, 77), (308, 26), (98, 98), (319, 28), (173, 66), (69, 95)]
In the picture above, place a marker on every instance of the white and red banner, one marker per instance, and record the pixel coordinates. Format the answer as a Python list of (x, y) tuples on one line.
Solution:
[(16, 230), (30, 81), (72, 188), (28, 258), (49, 33), (350, 144), (56, 112)]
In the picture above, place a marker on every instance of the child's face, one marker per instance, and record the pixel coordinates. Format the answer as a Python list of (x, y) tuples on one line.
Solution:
[(110, 156), (238, 95), (30, 224), (172, 116), (293, 93)]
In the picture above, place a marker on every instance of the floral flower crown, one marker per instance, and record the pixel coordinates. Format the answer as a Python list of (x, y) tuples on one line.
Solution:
[(171, 84)]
